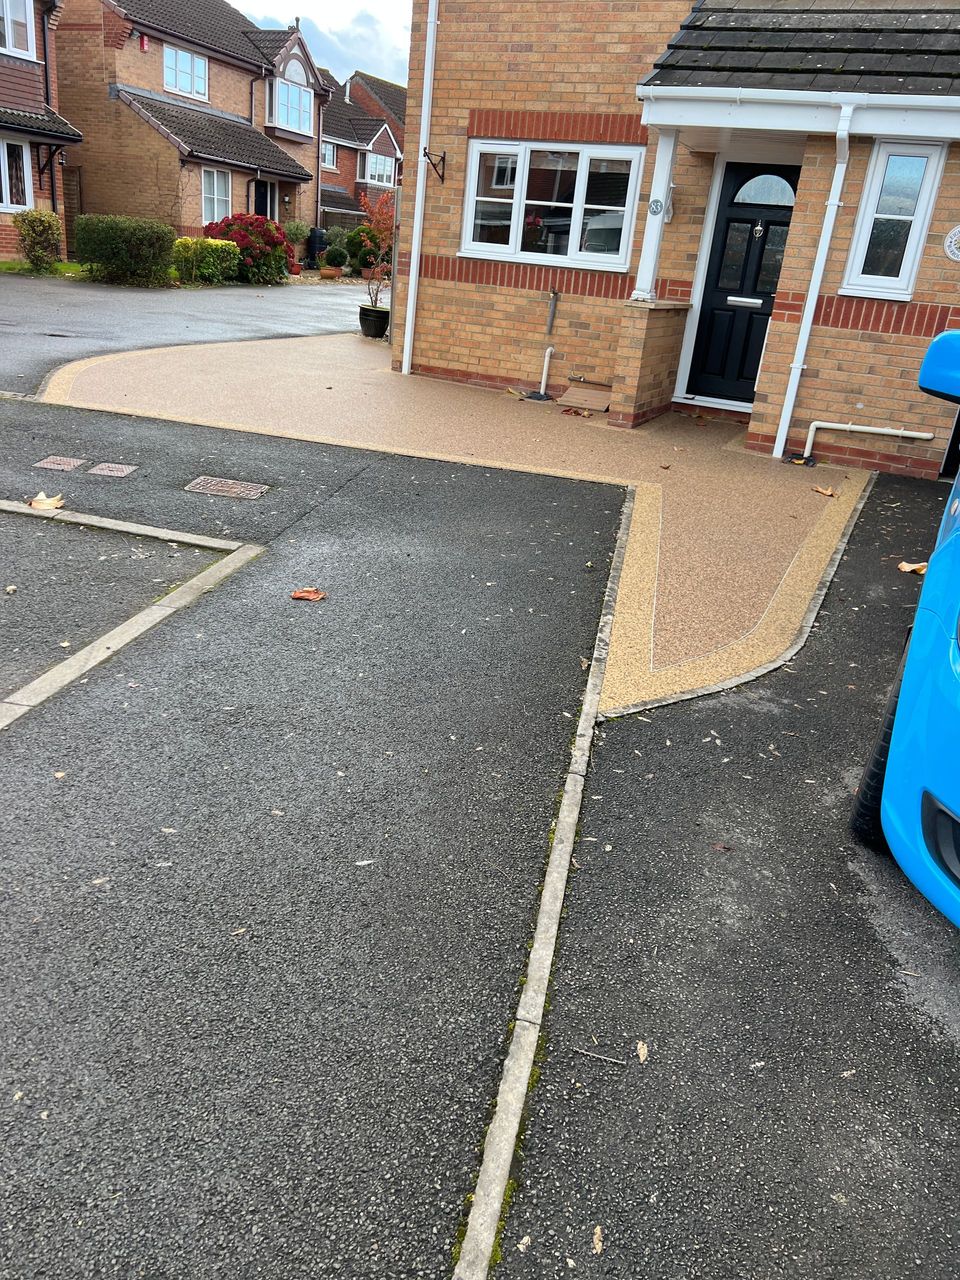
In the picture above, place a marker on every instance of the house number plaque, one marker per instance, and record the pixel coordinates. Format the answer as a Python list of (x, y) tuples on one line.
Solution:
[(951, 244)]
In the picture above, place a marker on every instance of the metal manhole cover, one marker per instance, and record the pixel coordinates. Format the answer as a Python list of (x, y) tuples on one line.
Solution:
[(111, 469), (56, 463), (218, 487)]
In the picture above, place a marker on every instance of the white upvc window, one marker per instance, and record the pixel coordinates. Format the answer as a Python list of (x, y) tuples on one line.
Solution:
[(291, 101), (328, 155), (17, 35), (16, 176), (217, 195), (893, 219), (556, 202), (185, 73), (376, 169)]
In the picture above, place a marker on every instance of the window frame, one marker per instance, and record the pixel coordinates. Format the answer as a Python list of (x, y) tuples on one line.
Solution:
[(5, 141), (522, 150), (896, 288), (203, 195), (377, 182), (333, 147), (30, 53), (273, 117), (176, 50)]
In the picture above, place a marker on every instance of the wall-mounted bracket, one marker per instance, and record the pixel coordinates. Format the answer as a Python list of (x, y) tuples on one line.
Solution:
[(437, 163)]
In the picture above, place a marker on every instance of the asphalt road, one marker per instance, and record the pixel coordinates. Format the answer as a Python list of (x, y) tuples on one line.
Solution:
[(263, 936), (46, 323), (796, 1115)]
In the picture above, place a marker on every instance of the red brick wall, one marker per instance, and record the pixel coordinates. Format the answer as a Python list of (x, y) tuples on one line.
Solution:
[(361, 95)]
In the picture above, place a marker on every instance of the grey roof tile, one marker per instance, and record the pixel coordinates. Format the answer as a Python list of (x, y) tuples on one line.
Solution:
[(44, 124), (392, 96)]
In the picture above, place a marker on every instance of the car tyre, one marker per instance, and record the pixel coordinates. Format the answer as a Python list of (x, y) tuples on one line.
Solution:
[(865, 818)]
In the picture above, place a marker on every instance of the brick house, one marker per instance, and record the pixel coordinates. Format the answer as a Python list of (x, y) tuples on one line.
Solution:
[(749, 210), (361, 150), (189, 112), (33, 135)]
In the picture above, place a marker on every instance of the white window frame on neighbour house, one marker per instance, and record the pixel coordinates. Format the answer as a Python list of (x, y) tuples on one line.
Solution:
[(181, 64), (214, 197), (328, 149), (290, 104), (899, 288), (23, 9), (384, 169), (505, 154), (6, 205)]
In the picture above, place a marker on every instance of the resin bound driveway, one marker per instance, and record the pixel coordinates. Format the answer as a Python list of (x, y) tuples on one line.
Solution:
[(44, 323)]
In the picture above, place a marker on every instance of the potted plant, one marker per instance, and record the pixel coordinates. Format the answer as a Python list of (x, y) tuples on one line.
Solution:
[(377, 240), (333, 263), (296, 233)]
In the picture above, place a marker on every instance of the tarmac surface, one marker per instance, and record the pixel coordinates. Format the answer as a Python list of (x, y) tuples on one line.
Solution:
[(270, 872), (779, 1007), (44, 323)]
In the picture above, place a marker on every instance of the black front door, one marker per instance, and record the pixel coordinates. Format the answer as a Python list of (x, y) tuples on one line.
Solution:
[(261, 199), (753, 218)]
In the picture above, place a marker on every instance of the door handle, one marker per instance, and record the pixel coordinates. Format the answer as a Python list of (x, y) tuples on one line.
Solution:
[(754, 303)]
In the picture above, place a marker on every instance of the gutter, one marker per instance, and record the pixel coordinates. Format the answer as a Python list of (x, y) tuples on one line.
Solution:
[(797, 97), (420, 202)]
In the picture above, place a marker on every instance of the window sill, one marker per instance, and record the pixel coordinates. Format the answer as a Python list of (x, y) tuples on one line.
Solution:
[(878, 295), (546, 260), (15, 208), (288, 131), (20, 54), (190, 97)]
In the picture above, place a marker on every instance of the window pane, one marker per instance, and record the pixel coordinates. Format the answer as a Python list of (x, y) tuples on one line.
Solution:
[(602, 231), (546, 228), (223, 185), (296, 73), (734, 256), (772, 260), (169, 68), (766, 188), (200, 76), (208, 181), (553, 177), (15, 170), (901, 185), (491, 222), (19, 31), (496, 174), (888, 242), (607, 182)]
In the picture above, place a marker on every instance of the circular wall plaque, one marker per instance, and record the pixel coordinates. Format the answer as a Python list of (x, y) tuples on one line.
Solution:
[(656, 207), (951, 244)]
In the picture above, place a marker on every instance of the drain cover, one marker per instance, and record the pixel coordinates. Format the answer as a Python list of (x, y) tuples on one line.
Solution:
[(56, 463), (111, 469), (218, 487)]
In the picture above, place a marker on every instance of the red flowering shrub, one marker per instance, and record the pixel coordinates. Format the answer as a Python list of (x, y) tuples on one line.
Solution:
[(261, 241)]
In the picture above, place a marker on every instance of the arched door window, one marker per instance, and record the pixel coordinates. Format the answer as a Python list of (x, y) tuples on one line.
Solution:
[(767, 189)]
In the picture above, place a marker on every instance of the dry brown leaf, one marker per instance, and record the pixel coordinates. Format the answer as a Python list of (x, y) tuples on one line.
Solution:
[(826, 493), (907, 566), (584, 664), (665, 466), (42, 503), (524, 1244), (598, 1239), (308, 593), (643, 1050)]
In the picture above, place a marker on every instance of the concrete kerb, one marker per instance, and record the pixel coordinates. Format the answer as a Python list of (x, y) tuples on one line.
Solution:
[(59, 677), (501, 1140)]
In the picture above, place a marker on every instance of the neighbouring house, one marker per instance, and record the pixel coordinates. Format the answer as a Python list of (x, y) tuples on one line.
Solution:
[(361, 148), (749, 210), (33, 134), (189, 112)]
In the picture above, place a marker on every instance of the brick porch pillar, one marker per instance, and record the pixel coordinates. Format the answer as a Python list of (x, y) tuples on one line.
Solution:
[(648, 355)]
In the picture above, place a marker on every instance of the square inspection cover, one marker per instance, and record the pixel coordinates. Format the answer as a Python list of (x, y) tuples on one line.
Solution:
[(111, 469), (221, 488), (56, 463)]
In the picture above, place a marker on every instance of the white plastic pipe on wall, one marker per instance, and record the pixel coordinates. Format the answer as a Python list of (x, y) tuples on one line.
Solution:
[(816, 279), (420, 203), (867, 431), (547, 356)]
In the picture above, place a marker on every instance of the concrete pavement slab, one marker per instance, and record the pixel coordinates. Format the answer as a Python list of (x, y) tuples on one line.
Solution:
[(264, 934), (772, 1011)]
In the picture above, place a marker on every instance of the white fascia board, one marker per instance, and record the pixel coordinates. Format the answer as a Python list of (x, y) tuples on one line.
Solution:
[(887, 115)]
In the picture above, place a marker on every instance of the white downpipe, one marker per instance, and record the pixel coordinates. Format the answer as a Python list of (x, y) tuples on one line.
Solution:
[(867, 431), (816, 279), (547, 356), (420, 203)]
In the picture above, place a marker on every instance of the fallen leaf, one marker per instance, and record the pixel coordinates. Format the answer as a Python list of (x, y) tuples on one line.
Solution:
[(11, 590), (826, 493), (524, 1244), (571, 1264), (845, 1075), (598, 1239), (308, 593), (722, 848), (643, 1050), (42, 503), (59, 775), (907, 566), (584, 664), (664, 466)]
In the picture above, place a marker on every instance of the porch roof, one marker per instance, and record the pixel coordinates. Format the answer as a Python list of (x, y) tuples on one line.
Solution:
[(45, 125), (836, 46)]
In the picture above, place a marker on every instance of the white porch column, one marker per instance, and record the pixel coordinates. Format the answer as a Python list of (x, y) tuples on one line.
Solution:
[(657, 210)]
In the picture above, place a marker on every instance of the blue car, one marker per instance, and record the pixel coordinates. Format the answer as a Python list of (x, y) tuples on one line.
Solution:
[(909, 796)]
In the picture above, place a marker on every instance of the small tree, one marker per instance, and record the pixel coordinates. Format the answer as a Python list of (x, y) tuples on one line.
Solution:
[(38, 235), (378, 241)]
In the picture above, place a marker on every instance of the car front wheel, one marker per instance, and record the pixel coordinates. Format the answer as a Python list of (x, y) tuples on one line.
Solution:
[(865, 818)]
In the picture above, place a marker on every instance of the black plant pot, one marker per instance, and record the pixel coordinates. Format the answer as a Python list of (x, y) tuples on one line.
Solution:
[(374, 321)]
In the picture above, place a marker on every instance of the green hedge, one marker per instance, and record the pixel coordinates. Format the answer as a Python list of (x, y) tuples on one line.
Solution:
[(360, 255), (122, 250), (38, 234), (201, 260)]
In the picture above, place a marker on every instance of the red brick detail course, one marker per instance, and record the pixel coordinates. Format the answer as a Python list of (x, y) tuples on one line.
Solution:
[(558, 126), (523, 275), (871, 315), (851, 456)]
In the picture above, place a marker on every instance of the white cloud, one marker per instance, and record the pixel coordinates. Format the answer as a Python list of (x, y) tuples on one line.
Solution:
[(370, 34)]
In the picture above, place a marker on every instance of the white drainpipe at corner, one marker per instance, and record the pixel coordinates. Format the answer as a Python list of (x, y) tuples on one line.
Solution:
[(901, 434), (834, 203), (420, 203)]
